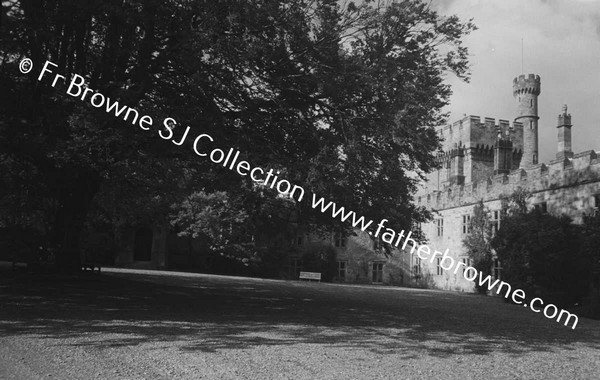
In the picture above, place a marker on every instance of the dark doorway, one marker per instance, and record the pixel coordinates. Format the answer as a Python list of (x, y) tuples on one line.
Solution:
[(142, 247)]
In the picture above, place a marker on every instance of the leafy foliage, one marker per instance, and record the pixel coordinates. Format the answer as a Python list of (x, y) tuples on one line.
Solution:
[(214, 216), (543, 255), (515, 203), (591, 242), (342, 99), (478, 242), (322, 261)]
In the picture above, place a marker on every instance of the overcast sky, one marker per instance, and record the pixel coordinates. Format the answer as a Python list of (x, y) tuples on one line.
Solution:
[(561, 44)]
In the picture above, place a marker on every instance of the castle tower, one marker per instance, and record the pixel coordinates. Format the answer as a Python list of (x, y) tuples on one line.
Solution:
[(526, 90), (564, 135)]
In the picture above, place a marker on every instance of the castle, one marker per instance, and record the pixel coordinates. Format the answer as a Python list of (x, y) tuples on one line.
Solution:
[(480, 161), (485, 160)]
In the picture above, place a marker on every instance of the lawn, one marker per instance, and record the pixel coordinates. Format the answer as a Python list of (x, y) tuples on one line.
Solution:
[(127, 324)]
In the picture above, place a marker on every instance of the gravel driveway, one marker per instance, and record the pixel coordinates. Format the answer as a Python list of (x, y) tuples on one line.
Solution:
[(128, 324)]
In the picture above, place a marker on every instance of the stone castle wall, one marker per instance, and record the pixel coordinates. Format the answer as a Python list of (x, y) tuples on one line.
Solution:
[(471, 132), (476, 140), (557, 175), (566, 186)]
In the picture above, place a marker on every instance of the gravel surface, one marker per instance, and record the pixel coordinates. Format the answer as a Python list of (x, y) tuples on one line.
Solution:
[(133, 324)]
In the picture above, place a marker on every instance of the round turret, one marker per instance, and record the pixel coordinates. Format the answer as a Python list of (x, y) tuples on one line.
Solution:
[(526, 89), (529, 84)]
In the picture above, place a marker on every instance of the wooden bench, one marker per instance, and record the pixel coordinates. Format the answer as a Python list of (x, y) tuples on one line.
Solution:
[(310, 276), (91, 266)]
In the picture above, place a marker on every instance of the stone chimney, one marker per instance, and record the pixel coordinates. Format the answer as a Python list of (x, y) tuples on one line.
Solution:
[(564, 135)]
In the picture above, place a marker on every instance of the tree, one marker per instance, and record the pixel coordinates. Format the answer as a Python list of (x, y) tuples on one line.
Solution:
[(57, 151), (216, 217), (340, 99), (478, 242), (591, 242), (543, 255), (515, 203), (322, 261)]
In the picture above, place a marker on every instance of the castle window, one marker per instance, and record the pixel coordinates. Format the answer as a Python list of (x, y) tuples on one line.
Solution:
[(417, 267), (298, 240), (440, 227), (466, 224), (541, 207), (497, 269), (341, 270), (467, 262), (440, 271), (339, 240), (596, 204), (495, 222), (377, 272)]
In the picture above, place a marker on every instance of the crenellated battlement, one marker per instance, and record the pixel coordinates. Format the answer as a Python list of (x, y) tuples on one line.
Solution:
[(527, 84), (488, 122), (476, 135), (583, 168), (474, 120), (483, 152), (449, 154)]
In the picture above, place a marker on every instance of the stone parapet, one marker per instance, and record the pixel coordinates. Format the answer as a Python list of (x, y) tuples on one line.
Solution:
[(584, 167)]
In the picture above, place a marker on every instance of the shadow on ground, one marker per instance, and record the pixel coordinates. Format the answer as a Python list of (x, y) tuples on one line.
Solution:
[(211, 313)]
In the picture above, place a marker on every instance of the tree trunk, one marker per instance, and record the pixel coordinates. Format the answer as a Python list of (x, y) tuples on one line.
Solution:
[(70, 219)]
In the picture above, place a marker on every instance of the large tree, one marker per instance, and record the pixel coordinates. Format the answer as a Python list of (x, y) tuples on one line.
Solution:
[(341, 98), (478, 242), (544, 255)]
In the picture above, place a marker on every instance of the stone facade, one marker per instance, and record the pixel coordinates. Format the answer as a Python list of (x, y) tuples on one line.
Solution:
[(359, 259), (496, 159), (481, 160)]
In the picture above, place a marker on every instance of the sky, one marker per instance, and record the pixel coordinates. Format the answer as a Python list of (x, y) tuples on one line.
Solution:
[(561, 43)]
